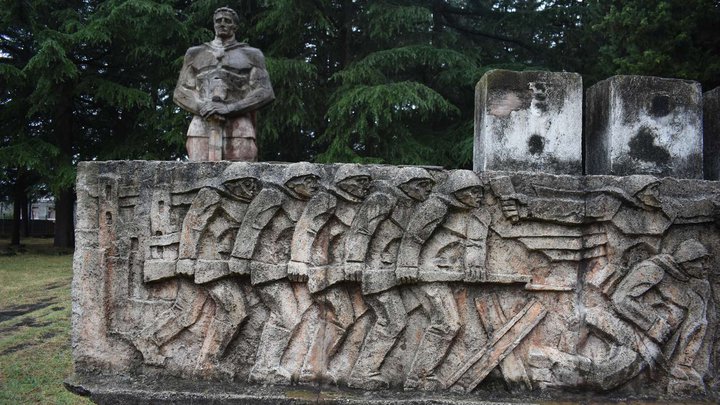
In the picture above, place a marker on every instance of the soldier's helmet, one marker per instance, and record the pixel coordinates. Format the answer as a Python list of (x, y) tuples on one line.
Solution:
[(407, 174), (347, 172), (459, 180), (690, 250), (310, 172), (241, 180)]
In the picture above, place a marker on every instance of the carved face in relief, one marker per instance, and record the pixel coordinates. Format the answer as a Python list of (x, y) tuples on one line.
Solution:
[(246, 188), (418, 189), (356, 186), (225, 25), (471, 196), (649, 195), (696, 268), (304, 186)]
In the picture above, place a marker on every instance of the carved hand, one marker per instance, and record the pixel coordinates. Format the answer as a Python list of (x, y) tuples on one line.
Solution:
[(239, 266), (407, 275), (475, 274), (510, 209), (659, 331), (353, 271), (297, 271), (210, 108), (186, 267)]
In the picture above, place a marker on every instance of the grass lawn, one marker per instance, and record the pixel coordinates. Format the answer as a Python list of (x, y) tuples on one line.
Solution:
[(35, 307)]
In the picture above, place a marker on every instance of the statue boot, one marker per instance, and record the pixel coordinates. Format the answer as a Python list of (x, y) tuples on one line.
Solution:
[(267, 369), (431, 352)]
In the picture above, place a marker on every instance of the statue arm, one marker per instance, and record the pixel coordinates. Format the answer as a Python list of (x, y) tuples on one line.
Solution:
[(195, 220), (425, 220), (186, 95), (628, 300), (373, 211), (261, 92), (258, 216)]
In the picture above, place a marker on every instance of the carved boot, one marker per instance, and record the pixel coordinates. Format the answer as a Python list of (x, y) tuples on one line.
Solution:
[(219, 335), (326, 343), (432, 350), (366, 372), (267, 368)]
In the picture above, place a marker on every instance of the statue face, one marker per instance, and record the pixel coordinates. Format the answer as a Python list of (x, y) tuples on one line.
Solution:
[(696, 268), (650, 196), (246, 188), (418, 189), (225, 26), (471, 196), (356, 186), (304, 186)]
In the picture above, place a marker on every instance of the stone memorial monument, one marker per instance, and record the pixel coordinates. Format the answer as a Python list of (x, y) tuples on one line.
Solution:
[(644, 125), (294, 283), (711, 134), (222, 83), (528, 121)]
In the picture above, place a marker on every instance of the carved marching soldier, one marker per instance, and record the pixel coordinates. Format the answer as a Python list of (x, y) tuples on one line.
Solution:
[(222, 83), (666, 296), (262, 248), (444, 242), (207, 237), (374, 239), (317, 255)]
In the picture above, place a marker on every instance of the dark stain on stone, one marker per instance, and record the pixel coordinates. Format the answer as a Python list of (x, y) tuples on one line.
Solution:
[(642, 147), (536, 144), (661, 105)]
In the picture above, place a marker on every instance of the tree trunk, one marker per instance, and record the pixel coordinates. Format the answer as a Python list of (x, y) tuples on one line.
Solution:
[(19, 199), (25, 213), (64, 219), (65, 198)]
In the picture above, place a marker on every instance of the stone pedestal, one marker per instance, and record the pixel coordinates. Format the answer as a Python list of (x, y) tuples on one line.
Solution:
[(644, 125), (711, 134), (529, 121), (397, 285)]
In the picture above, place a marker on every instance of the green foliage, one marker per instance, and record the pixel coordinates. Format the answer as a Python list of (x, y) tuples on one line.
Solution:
[(387, 81), (670, 38)]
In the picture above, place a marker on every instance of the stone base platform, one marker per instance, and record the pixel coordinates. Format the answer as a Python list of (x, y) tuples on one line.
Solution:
[(112, 390)]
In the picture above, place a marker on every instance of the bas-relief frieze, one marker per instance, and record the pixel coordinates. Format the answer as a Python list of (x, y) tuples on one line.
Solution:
[(379, 277)]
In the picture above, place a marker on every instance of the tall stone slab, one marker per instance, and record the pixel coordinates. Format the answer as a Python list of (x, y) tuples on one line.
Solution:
[(711, 134), (644, 125), (530, 121), (231, 282)]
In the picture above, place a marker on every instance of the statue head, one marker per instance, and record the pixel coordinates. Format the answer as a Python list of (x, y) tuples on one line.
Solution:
[(352, 182), (225, 21), (464, 188), (415, 182), (691, 256), (302, 180), (240, 180)]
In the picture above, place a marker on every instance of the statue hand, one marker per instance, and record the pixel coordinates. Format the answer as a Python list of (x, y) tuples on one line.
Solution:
[(210, 108), (407, 275), (353, 271), (297, 271)]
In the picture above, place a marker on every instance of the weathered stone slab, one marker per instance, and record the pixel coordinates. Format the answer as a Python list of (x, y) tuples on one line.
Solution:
[(380, 279), (644, 125), (711, 134), (528, 121)]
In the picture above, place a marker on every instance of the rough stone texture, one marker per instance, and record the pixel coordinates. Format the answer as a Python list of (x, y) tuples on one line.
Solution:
[(528, 121), (222, 83), (644, 125), (388, 279), (711, 134)]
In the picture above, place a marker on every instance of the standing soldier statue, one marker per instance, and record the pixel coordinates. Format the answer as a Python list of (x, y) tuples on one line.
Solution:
[(222, 83)]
